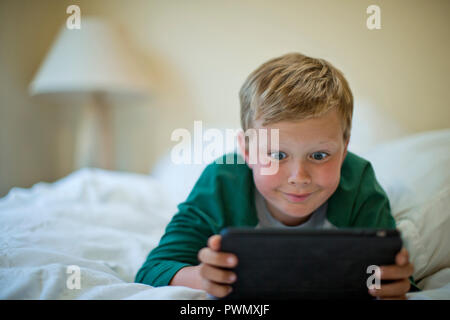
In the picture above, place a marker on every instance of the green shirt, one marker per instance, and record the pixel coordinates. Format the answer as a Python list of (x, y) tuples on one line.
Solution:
[(224, 195)]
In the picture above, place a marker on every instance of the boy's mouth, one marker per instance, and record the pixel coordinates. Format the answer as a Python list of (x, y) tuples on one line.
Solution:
[(297, 197)]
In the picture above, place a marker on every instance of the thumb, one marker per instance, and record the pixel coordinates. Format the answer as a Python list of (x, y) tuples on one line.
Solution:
[(214, 242), (402, 257)]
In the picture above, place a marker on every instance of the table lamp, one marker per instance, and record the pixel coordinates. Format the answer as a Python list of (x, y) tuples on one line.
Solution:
[(93, 62)]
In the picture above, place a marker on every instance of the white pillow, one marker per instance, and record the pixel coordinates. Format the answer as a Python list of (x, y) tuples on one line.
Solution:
[(179, 179), (372, 126), (414, 171)]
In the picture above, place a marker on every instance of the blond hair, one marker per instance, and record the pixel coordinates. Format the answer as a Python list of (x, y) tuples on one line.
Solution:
[(295, 87)]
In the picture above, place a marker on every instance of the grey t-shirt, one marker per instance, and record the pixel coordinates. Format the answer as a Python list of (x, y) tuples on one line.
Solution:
[(317, 220)]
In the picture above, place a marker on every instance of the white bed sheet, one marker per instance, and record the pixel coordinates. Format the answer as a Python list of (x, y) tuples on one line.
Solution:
[(103, 222)]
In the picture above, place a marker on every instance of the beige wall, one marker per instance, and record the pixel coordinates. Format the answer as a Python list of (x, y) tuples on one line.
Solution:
[(27, 129), (198, 53)]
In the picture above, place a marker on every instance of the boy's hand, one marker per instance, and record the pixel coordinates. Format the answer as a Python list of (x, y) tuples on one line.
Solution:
[(400, 272), (216, 281)]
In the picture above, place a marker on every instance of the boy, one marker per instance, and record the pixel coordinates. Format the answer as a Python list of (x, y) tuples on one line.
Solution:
[(317, 184)]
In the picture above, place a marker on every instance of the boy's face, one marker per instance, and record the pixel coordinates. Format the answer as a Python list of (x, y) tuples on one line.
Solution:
[(310, 156)]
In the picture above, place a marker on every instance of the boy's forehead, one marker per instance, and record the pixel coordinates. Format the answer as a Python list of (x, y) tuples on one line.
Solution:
[(325, 129)]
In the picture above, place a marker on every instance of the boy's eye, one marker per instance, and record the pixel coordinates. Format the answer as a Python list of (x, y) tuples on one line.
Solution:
[(319, 155), (278, 155)]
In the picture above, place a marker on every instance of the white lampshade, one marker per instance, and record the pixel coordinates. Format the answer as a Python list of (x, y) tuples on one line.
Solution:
[(95, 58)]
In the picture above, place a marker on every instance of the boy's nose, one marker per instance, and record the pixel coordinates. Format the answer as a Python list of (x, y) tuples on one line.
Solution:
[(299, 176)]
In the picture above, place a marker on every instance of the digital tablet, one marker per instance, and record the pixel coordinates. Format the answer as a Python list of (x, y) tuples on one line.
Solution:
[(308, 264)]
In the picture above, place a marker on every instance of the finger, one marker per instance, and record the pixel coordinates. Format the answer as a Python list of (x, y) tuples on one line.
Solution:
[(217, 275), (215, 289), (395, 289), (402, 258), (218, 259), (214, 242), (395, 272)]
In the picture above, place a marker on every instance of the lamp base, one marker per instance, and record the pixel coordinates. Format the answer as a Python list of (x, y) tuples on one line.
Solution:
[(94, 147)]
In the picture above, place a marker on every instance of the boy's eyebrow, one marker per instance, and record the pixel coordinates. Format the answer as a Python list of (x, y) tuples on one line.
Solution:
[(333, 143), (325, 142)]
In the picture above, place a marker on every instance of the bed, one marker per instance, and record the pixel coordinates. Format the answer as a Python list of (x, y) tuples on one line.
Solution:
[(86, 235)]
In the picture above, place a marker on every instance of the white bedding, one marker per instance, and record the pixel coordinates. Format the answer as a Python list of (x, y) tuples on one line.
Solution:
[(106, 223)]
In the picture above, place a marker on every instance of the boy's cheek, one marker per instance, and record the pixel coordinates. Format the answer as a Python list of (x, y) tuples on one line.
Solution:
[(328, 175), (265, 183)]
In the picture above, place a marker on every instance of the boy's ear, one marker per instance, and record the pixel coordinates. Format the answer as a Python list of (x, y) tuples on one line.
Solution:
[(241, 145), (345, 149)]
